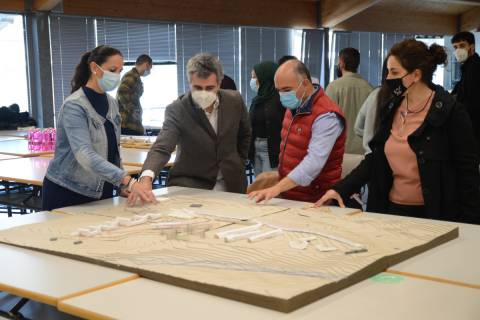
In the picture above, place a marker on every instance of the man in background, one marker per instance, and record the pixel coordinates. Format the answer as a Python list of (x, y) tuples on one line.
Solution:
[(349, 91), (128, 96), (467, 90)]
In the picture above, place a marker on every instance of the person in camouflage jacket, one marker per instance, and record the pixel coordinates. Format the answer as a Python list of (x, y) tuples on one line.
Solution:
[(128, 96)]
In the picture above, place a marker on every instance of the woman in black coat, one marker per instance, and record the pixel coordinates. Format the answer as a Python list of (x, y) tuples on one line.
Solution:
[(266, 116), (443, 146)]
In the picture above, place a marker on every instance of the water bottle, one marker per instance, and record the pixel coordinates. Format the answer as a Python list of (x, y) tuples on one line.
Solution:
[(46, 140), (53, 139), (30, 139), (37, 140)]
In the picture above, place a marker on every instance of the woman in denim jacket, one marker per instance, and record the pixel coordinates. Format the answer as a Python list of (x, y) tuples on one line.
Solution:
[(87, 164)]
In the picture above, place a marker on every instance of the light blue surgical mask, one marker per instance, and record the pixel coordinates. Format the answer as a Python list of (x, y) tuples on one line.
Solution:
[(109, 81), (146, 73), (289, 99), (253, 85)]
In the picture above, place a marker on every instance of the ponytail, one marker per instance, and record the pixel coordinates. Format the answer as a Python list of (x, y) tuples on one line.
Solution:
[(413, 54), (439, 56), (82, 72), (98, 55)]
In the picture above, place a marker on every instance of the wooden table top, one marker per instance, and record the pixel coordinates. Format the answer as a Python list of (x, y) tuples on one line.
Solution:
[(136, 157), (408, 298), (32, 170), (19, 148), (14, 133), (7, 157), (46, 278), (5, 138)]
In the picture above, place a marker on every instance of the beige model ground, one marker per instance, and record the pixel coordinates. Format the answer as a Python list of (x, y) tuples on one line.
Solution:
[(277, 273)]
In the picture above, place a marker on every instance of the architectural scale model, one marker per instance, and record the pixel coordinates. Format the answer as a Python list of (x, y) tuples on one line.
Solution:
[(269, 256)]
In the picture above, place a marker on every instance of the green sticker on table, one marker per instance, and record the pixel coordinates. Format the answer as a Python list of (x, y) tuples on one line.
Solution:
[(387, 278)]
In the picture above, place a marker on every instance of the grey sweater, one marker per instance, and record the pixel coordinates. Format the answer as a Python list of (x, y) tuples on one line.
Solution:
[(365, 122)]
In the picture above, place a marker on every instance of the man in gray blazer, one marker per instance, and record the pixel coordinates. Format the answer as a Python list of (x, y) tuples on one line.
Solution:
[(210, 128)]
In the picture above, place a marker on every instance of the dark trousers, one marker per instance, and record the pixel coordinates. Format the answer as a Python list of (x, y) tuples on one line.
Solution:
[(405, 210), (55, 196)]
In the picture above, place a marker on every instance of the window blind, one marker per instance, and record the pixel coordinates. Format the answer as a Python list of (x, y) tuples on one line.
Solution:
[(221, 41)]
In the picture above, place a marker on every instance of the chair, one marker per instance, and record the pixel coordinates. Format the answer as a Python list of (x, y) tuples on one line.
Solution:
[(264, 180), (350, 162)]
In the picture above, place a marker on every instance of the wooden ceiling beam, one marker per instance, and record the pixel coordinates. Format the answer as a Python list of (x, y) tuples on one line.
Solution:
[(45, 5), (275, 13), (12, 5), (381, 20), (460, 2), (334, 12), (470, 20)]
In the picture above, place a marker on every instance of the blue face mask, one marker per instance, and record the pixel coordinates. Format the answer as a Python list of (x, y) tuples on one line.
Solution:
[(109, 80), (253, 85), (289, 99)]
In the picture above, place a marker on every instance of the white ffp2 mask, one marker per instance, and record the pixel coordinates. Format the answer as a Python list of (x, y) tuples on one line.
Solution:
[(204, 98), (461, 54)]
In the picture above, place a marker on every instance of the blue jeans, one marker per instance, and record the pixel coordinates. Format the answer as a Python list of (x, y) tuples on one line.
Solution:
[(262, 161)]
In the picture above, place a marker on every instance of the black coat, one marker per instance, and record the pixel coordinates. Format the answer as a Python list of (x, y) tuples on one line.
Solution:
[(447, 160), (467, 91), (274, 113)]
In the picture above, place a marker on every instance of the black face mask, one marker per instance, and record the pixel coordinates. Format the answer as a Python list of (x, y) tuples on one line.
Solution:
[(338, 71), (396, 86)]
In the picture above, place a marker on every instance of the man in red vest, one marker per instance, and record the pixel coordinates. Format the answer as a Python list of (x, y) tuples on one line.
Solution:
[(313, 138)]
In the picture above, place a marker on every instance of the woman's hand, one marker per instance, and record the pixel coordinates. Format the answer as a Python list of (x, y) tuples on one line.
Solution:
[(124, 193), (328, 197)]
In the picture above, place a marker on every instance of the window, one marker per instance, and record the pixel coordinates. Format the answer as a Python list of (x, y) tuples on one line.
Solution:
[(373, 47), (170, 46), (261, 44), (13, 62), (157, 40), (73, 36), (163, 78), (369, 44), (70, 38), (438, 76), (221, 41), (313, 53), (297, 43)]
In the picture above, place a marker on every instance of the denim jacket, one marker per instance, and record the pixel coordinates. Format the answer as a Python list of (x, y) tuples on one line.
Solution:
[(80, 163)]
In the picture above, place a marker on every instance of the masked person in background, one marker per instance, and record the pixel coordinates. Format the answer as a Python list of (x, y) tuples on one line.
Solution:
[(423, 162), (128, 96), (86, 165), (211, 130), (266, 116), (467, 90)]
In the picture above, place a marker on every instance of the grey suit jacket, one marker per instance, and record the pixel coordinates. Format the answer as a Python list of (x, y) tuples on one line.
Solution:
[(201, 152)]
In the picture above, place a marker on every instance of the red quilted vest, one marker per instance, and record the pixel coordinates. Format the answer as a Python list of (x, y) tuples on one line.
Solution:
[(296, 134)]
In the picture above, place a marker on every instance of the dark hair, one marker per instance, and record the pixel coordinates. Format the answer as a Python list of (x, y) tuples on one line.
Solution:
[(284, 59), (383, 97), (351, 58), (144, 58), (302, 70), (463, 36), (228, 83), (413, 54), (98, 55)]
